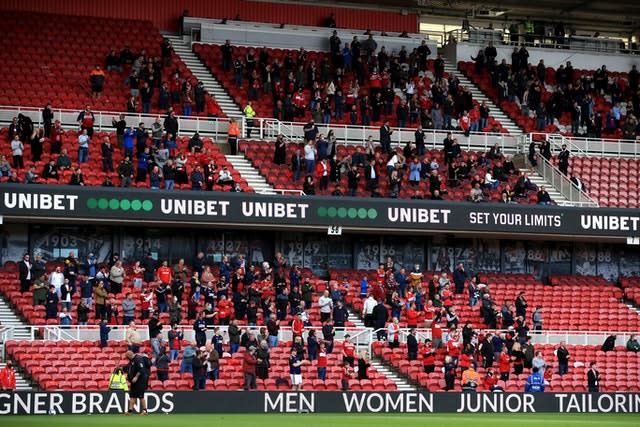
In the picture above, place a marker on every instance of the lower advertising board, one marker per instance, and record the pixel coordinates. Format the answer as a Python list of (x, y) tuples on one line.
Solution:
[(182, 402)]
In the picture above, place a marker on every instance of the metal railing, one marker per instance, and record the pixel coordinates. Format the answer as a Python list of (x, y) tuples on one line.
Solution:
[(361, 337), (600, 147), (558, 180), (266, 128), (574, 43)]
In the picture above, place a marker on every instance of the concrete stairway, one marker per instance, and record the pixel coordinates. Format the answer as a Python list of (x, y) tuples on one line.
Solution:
[(480, 96), (9, 318), (400, 382), (250, 174), (183, 49), (538, 180), (21, 383)]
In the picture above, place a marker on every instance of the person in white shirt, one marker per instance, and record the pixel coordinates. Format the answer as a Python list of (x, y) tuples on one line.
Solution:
[(326, 306), (83, 147), (490, 182), (224, 177), (56, 279), (367, 310), (310, 157)]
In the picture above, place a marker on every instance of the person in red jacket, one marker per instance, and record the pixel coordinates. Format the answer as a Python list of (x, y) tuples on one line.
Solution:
[(297, 326), (224, 310), (347, 374), (436, 335), (348, 350), (428, 357), (504, 364), (8, 377), (413, 316), (249, 363), (164, 273), (465, 123), (453, 347), (322, 174), (465, 361)]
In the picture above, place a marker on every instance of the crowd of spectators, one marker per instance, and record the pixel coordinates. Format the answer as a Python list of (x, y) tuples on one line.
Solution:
[(253, 301), (387, 170), (357, 83), (597, 103), (152, 157)]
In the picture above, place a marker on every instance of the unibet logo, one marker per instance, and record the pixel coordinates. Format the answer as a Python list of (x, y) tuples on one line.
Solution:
[(120, 204), (352, 213)]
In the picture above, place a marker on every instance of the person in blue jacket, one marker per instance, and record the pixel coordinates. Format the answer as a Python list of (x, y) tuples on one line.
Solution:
[(535, 382)]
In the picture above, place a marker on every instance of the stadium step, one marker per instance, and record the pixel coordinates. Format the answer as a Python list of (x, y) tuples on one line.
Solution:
[(480, 96), (538, 180), (250, 174), (21, 383), (401, 383), (8, 318), (183, 49)]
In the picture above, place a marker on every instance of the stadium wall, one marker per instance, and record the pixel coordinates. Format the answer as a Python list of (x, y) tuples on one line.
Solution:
[(34, 403), (164, 13)]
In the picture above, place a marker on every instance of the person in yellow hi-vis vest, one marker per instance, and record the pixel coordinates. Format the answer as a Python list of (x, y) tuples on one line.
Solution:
[(249, 113), (118, 380)]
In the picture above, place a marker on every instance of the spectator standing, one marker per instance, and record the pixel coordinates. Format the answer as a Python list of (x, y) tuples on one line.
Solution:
[(25, 272), (563, 358), (8, 377), (128, 309), (249, 368), (175, 337), (51, 303), (104, 333), (263, 358), (593, 378), (86, 120), (535, 382), (295, 370), (412, 345)]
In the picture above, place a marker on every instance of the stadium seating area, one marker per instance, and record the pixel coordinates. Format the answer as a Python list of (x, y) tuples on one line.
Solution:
[(512, 109), (35, 314), (612, 182), (618, 369), (261, 155), (595, 303), (92, 170), (49, 58), (85, 366), (211, 55)]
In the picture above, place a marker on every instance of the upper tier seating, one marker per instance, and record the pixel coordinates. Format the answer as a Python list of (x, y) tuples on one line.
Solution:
[(616, 90), (91, 367), (211, 55), (49, 58)]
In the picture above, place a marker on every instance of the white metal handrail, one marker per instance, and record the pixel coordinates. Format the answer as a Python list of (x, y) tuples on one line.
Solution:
[(268, 128), (362, 337)]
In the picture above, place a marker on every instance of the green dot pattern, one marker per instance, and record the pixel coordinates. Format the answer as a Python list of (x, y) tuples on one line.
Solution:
[(119, 204), (344, 213)]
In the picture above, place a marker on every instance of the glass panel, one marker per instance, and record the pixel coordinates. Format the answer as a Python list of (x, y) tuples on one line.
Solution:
[(585, 258)]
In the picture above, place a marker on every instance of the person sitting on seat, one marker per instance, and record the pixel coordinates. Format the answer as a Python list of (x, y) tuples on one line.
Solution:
[(224, 177), (633, 345)]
